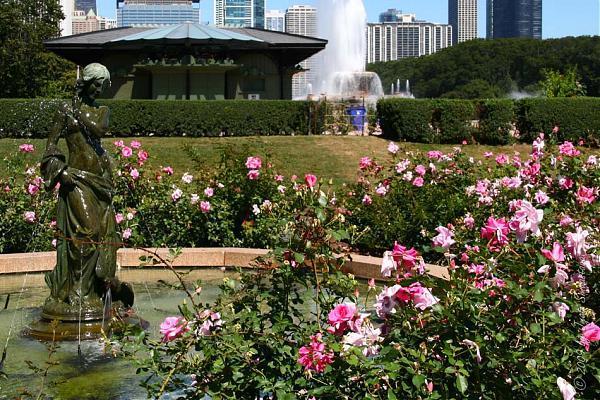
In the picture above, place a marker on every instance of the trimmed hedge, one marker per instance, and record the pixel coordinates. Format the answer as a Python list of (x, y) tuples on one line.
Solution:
[(577, 118), (449, 121), (32, 117)]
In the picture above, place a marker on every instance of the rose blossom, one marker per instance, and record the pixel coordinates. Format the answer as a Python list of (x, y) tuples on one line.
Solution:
[(576, 242), (365, 162), (126, 151), (585, 195), (173, 327), (567, 390), (557, 254), (253, 163), (187, 178), (341, 316), (168, 170), (393, 148), (560, 309), (418, 181), (194, 198), (444, 238), (315, 357), (310, 180), (135, 174), (469, 221), (367, 200), (205, 206), (135, 144), (568, 149), (209, 192), (119, 218), (142, 156), (176, 195), (495, 231), (29, 216), (26, 148), (253, 174), (126, 233)]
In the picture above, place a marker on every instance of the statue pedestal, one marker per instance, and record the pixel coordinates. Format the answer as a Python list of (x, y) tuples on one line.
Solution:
[(46, 330)]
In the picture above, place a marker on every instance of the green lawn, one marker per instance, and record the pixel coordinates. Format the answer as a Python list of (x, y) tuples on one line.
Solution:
[(334, 157)]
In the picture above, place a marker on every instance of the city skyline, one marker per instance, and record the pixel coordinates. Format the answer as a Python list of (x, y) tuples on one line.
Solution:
[(560, 18)]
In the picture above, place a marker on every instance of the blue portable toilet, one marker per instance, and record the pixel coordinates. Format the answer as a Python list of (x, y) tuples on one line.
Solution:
[(357, 116)]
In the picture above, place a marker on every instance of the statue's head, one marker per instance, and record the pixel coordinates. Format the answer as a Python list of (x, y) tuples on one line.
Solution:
[(94, 79)]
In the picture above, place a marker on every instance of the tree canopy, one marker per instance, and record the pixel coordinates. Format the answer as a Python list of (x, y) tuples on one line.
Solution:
[(26, 69), (495, 68)]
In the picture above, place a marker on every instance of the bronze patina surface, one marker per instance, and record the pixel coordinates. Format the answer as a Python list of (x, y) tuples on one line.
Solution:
[(87, 239)]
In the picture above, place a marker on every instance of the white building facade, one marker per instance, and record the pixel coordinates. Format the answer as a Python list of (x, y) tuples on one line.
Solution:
[(407, 38), (275, 20), (462, 15), (302, 20)]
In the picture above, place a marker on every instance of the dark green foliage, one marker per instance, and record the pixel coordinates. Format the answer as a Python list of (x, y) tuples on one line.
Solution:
[(492, 68), (26, 69), (31, 118), (576, 118), (406, 120), (448, 121), (495, 121), (452, 120)]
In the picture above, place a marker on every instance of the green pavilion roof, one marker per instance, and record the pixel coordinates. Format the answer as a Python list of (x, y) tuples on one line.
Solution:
[(188, 31)]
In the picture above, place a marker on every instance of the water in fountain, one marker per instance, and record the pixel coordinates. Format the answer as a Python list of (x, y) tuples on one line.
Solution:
[(341, 66)]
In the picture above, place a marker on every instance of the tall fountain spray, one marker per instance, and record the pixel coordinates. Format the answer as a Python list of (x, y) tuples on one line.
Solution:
[(341, 66)]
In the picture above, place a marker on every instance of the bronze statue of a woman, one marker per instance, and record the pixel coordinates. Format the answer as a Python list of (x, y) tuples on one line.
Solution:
[(87, 240)]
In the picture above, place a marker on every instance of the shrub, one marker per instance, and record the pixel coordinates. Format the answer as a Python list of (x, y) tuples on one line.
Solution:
[(33, 118), (495, 121), (452, 121), (574, 118), (406, 120)]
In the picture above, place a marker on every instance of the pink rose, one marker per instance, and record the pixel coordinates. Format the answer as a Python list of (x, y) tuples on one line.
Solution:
[(142, 156), (209, 192), (205, 206), (342, 314), (119, 218), (253, 174), (135, 144), (567, 390), (591, 332), (29, 216), (310, 180), (26, 148), (393, 148), (173, 327), (135, 174), (586, 195), (126, 151), (126, 233), (418, 182), (557, 254), (367, 200), (444, 238), (253, 163), (168, 170), (568, 149), (365, 162), (33, 189)]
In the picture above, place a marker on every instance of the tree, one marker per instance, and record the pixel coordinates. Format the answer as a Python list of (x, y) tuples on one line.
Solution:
[(26, 69), (556, 84)]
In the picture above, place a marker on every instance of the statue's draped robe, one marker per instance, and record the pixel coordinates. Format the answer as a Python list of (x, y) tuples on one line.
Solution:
[(87, 243)]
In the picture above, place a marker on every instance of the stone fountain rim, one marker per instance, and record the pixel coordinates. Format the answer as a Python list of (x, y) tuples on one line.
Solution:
[(365, 267)]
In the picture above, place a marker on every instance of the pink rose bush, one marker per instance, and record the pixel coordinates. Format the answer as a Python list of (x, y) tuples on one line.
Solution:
[(173, 327)]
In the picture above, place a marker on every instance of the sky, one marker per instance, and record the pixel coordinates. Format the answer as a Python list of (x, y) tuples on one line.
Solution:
[(560, 17)]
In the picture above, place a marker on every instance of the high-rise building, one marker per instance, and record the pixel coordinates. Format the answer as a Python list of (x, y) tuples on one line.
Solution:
[(391, 15), (514, 18), (275, 20), (66, 24), (86, 6), (156, 12), (239, 13), (462, 15), (410, 37), (302, 20), (89, 22)]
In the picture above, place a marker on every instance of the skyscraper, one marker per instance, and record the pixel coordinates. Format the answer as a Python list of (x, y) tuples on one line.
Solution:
[(86, 6), (239, 13), (156, 12), (391, 15), (408, 37), (275, 20), (302, 20), (462, 15), (514, 18)]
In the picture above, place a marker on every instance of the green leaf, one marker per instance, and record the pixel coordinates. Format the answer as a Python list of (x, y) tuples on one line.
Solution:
[(461, 383), (391, 395), (418, 380)]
